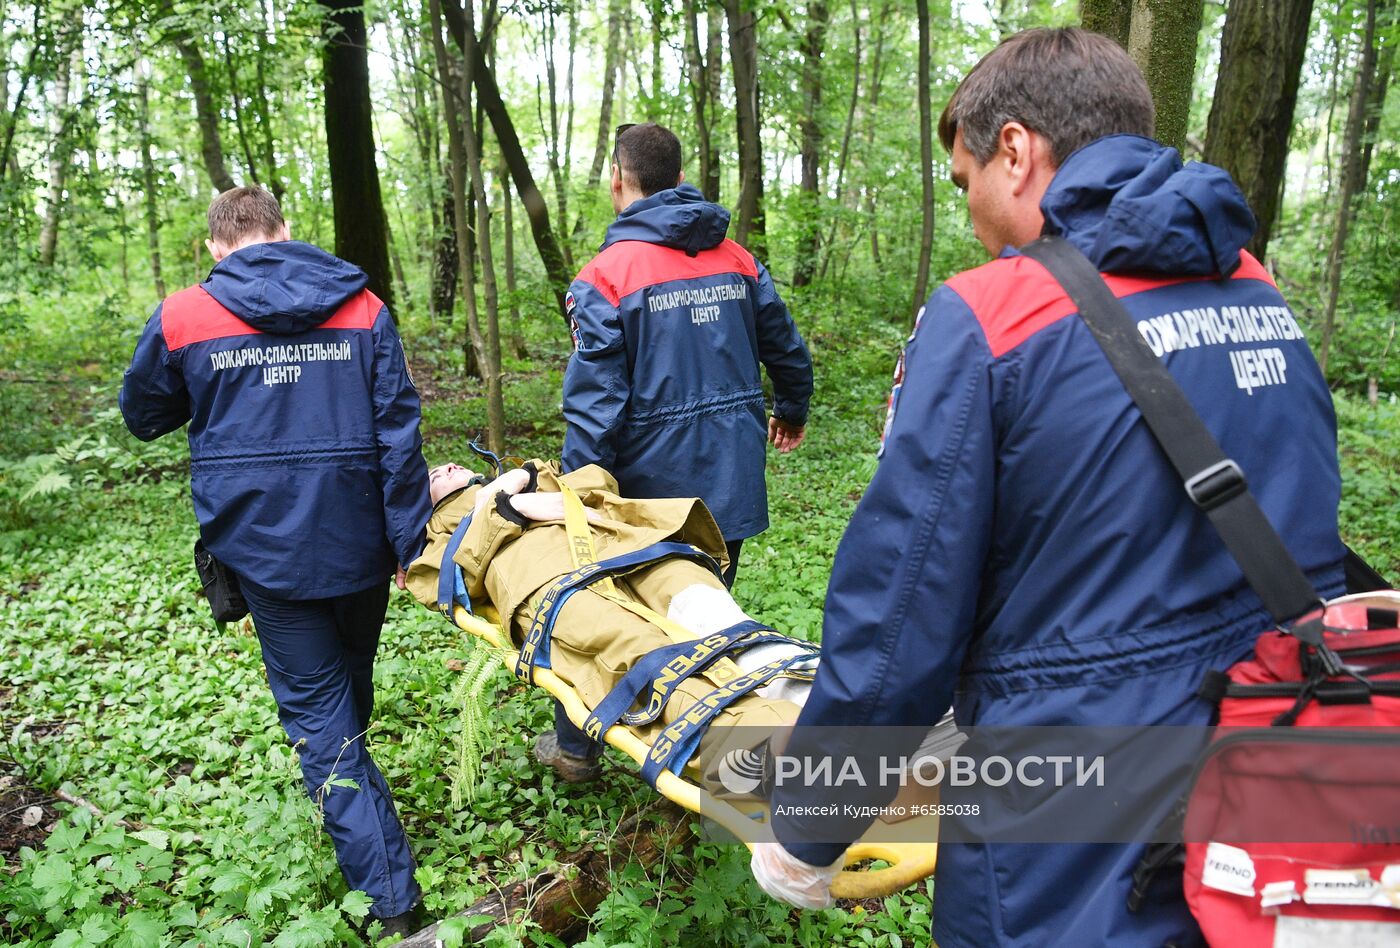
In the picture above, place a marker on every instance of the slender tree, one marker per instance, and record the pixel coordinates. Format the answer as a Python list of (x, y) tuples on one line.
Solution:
[(236, 94), (605, 108), (489, 96), (60, 150), (925, 160), (845, 153), (361, 229), (550, 127), (1375, 106), (714, 77), (750, 227), (491, 363), (1251, 115), (698, 69), (809, 222), (466, 172), (517, 334), (178, 33), (259, 103), (457, 111), (872, 110), (1351, 176), (148, 183)]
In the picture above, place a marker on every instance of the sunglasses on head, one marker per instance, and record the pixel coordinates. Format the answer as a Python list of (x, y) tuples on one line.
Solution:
[(617, 135)]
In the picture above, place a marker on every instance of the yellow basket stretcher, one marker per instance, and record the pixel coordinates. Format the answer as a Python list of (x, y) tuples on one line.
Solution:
[(907, 862)]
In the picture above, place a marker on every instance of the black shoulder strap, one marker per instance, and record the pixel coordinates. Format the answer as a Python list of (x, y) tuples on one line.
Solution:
[(1214, 483)]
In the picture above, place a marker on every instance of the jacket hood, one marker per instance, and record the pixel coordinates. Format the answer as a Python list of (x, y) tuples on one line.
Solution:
[(678, 217), (284, 287), (1129, 204)]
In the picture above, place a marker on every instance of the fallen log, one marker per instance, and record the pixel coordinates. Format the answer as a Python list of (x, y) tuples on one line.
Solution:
[(561, 900)]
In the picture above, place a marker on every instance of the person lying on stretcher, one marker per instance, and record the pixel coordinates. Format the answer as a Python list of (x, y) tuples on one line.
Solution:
[(516, 547)]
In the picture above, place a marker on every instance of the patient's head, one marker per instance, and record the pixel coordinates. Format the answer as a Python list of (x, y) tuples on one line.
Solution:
[(445, 478)]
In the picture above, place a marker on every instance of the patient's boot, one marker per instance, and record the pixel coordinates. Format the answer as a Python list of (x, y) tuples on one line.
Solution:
[(571, 768)]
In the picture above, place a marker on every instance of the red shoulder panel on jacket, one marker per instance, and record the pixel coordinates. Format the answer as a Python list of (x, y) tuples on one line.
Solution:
[(630, 265), (192, 315), (1014, 298), (358, 312)]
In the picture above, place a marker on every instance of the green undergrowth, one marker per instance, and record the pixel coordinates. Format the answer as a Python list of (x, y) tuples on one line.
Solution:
[(115, 685), (118, 688)]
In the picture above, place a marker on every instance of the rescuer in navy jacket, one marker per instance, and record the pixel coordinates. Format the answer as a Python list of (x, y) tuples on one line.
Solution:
[(308, 482), (671, 323), (1025, 552)]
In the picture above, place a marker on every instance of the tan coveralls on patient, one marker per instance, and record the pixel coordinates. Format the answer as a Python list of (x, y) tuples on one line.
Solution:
[(595, 641)]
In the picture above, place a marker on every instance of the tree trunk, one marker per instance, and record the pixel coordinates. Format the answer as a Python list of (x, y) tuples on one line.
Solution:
[(517, 335), (560, 901), (445, 255), (1163, 41), (845, 154), (550, 129), (456, 111), (206, 112), (1161, 36), (1251, 115), (60, 150), (658, 30), (495, 404), (925, 162), (809, 224), (361, 230), (1375, 105), (405, 300), (743, 54), (876, 75), (535, 208), (148, 181), (570, 99), (260, 101), (1351, 173), (714, 75), (237, 96), (7, 158), (610, 66), (1112, 18), (699, 82)]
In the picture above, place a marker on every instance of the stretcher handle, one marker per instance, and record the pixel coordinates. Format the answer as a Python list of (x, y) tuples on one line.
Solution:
[(909, 862)]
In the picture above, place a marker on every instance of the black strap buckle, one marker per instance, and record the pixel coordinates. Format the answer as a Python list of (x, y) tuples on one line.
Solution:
[(1215, 485)]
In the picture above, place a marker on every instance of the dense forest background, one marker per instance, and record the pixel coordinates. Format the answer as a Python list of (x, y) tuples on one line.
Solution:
[(459, 153), (374, 124)]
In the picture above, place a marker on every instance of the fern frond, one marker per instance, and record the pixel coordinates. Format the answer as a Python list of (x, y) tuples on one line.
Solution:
[(472, 696)]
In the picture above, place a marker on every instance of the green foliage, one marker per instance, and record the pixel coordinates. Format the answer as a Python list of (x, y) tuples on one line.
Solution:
[(116, 685), (1369, 439), (473, 698)]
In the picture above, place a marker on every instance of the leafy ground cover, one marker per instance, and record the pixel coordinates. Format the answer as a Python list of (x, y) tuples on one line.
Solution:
[(115, 686)]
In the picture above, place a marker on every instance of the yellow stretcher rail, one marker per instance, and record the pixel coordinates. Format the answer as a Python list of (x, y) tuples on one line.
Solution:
[(908, 861)]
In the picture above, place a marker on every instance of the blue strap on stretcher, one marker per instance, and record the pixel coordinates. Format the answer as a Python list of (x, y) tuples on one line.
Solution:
[(451, 588), (679, 740), (689, 658), (535, 649)]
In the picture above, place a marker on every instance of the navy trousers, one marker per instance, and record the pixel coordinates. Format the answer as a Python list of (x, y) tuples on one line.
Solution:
[(571, 739), (319, 655)]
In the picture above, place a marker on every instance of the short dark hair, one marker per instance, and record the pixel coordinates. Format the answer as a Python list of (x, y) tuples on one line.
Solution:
[(244, 212), (651, 155), (1068, 84)]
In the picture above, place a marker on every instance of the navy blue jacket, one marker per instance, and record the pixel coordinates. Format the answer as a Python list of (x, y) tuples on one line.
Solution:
[(670, 324), (306, 462), (1025, 552)]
